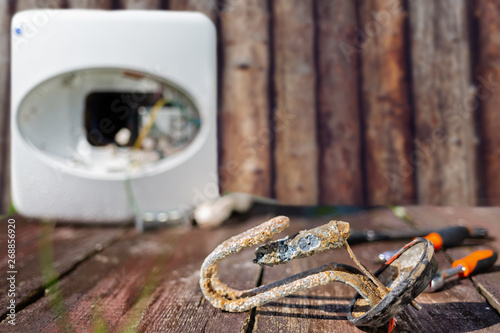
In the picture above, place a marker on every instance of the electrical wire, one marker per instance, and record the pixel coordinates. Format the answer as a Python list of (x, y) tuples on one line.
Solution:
[(145, 130), (139, 223)]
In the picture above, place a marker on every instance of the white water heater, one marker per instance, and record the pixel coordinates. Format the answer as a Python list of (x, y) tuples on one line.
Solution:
[(113, 114)]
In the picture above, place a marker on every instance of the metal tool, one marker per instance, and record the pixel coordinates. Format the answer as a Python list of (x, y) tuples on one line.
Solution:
[(475, 262), (379, 297), (372, 235), (445, 238)]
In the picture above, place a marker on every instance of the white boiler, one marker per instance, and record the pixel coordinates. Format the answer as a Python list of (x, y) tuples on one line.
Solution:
[(113, 114)]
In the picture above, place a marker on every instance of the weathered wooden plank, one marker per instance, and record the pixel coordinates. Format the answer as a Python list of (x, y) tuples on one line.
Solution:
[(97, 4), (245, 113), (444, 102), (26, 233), (338, 105), (488, 76), (457, 308), (37, 4), (436, 217), (102, 288), (149, 283), (208, 7), (146, 283), (296, 151), (486, 217), (70, 246), (4, 106), (385, 107), (25, 5), (192, 313), (140, 4)]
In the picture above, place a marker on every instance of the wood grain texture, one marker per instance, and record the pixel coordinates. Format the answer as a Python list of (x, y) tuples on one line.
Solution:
[(457, 308), (245, 112), (37, 4), (192, 312), (97, 4), (488, 77), (4, 106), (70, 246), (444, 103), (296, 151), (140, 4), (208, 7), (485, 217), (385, 102), (21, 5), (147, 283), (338, 106), (103, 288)]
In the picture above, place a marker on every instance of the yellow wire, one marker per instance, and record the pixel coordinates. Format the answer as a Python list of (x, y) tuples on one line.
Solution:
[(145, 130)]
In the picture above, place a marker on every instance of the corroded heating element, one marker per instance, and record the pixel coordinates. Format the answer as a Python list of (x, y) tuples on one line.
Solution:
[(303, 244)]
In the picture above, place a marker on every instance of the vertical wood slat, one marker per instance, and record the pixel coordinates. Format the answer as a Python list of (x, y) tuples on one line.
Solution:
[(445, 170), (97, 4), (140, 4), (385, 104), (207, 7), (246, 133), (4, 106), (296, 151), (338, 106), (443, 100), (488, 12), (21, 5)]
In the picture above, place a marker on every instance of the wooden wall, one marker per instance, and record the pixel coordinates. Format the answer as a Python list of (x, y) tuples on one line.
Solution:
[(340, 101)]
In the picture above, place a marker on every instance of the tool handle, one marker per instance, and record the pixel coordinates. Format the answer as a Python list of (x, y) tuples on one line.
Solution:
[(448, 237), (477, 232), (476, 261)]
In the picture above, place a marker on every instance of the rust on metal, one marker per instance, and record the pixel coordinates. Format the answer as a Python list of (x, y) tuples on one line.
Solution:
[(303, 244)]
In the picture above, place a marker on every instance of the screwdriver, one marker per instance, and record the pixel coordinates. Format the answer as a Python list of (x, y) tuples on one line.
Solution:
[(475, 262), (444, 238)]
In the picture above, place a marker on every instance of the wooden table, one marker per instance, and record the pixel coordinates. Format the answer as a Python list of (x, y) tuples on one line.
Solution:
[(107, 279)]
